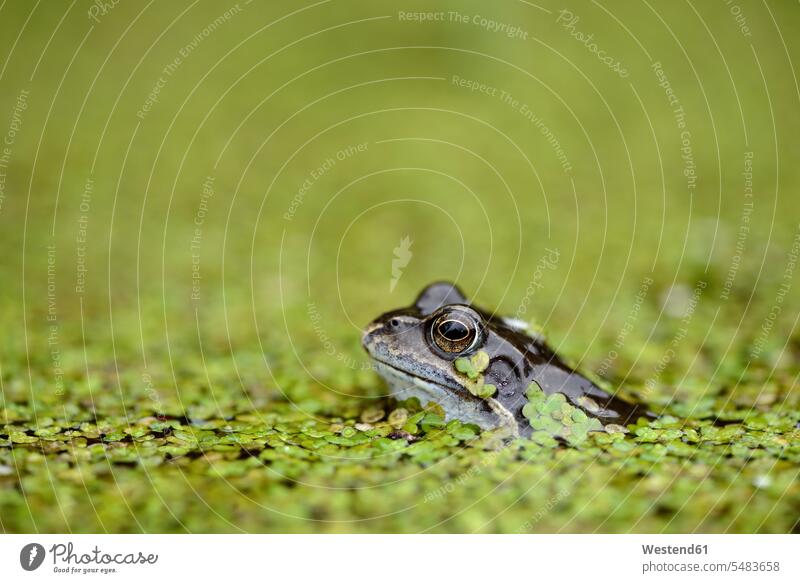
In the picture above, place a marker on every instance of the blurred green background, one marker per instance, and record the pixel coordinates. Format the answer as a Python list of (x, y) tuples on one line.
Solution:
[(201, 205)]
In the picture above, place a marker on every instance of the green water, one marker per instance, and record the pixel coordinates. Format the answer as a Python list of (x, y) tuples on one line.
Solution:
[(201, 205)]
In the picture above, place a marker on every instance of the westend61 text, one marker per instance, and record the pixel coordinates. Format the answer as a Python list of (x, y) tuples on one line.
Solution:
[(673, 550)]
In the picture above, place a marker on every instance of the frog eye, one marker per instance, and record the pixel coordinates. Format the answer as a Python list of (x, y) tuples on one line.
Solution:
[(454, 331)]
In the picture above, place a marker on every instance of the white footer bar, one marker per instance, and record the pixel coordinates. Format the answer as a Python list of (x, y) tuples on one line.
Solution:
[(403, 558)]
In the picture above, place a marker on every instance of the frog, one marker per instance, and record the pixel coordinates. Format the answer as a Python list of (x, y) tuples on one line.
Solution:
[(428, 350)]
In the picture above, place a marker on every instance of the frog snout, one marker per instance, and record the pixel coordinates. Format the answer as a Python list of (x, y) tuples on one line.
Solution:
[(368, 337), (385, 331)]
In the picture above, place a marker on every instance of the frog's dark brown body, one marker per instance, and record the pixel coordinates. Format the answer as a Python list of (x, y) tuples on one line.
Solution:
[(403, 344)]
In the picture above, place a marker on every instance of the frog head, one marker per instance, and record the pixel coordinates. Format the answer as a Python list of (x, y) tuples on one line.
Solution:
[(416, 348)]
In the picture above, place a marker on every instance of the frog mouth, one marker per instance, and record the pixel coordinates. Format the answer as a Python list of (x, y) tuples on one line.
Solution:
[(418, 381), (420, 374), (421, 381), (456, 403)]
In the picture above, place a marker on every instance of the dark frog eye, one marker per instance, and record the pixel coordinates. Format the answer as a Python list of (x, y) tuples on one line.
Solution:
[(455, 331)]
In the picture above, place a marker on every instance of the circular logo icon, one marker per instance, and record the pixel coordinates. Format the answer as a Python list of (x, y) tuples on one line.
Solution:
[(31, 556)]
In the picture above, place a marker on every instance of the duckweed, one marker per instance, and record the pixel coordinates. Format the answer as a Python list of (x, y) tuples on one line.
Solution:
[(282, 468), (551, 416), (473, 367)]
